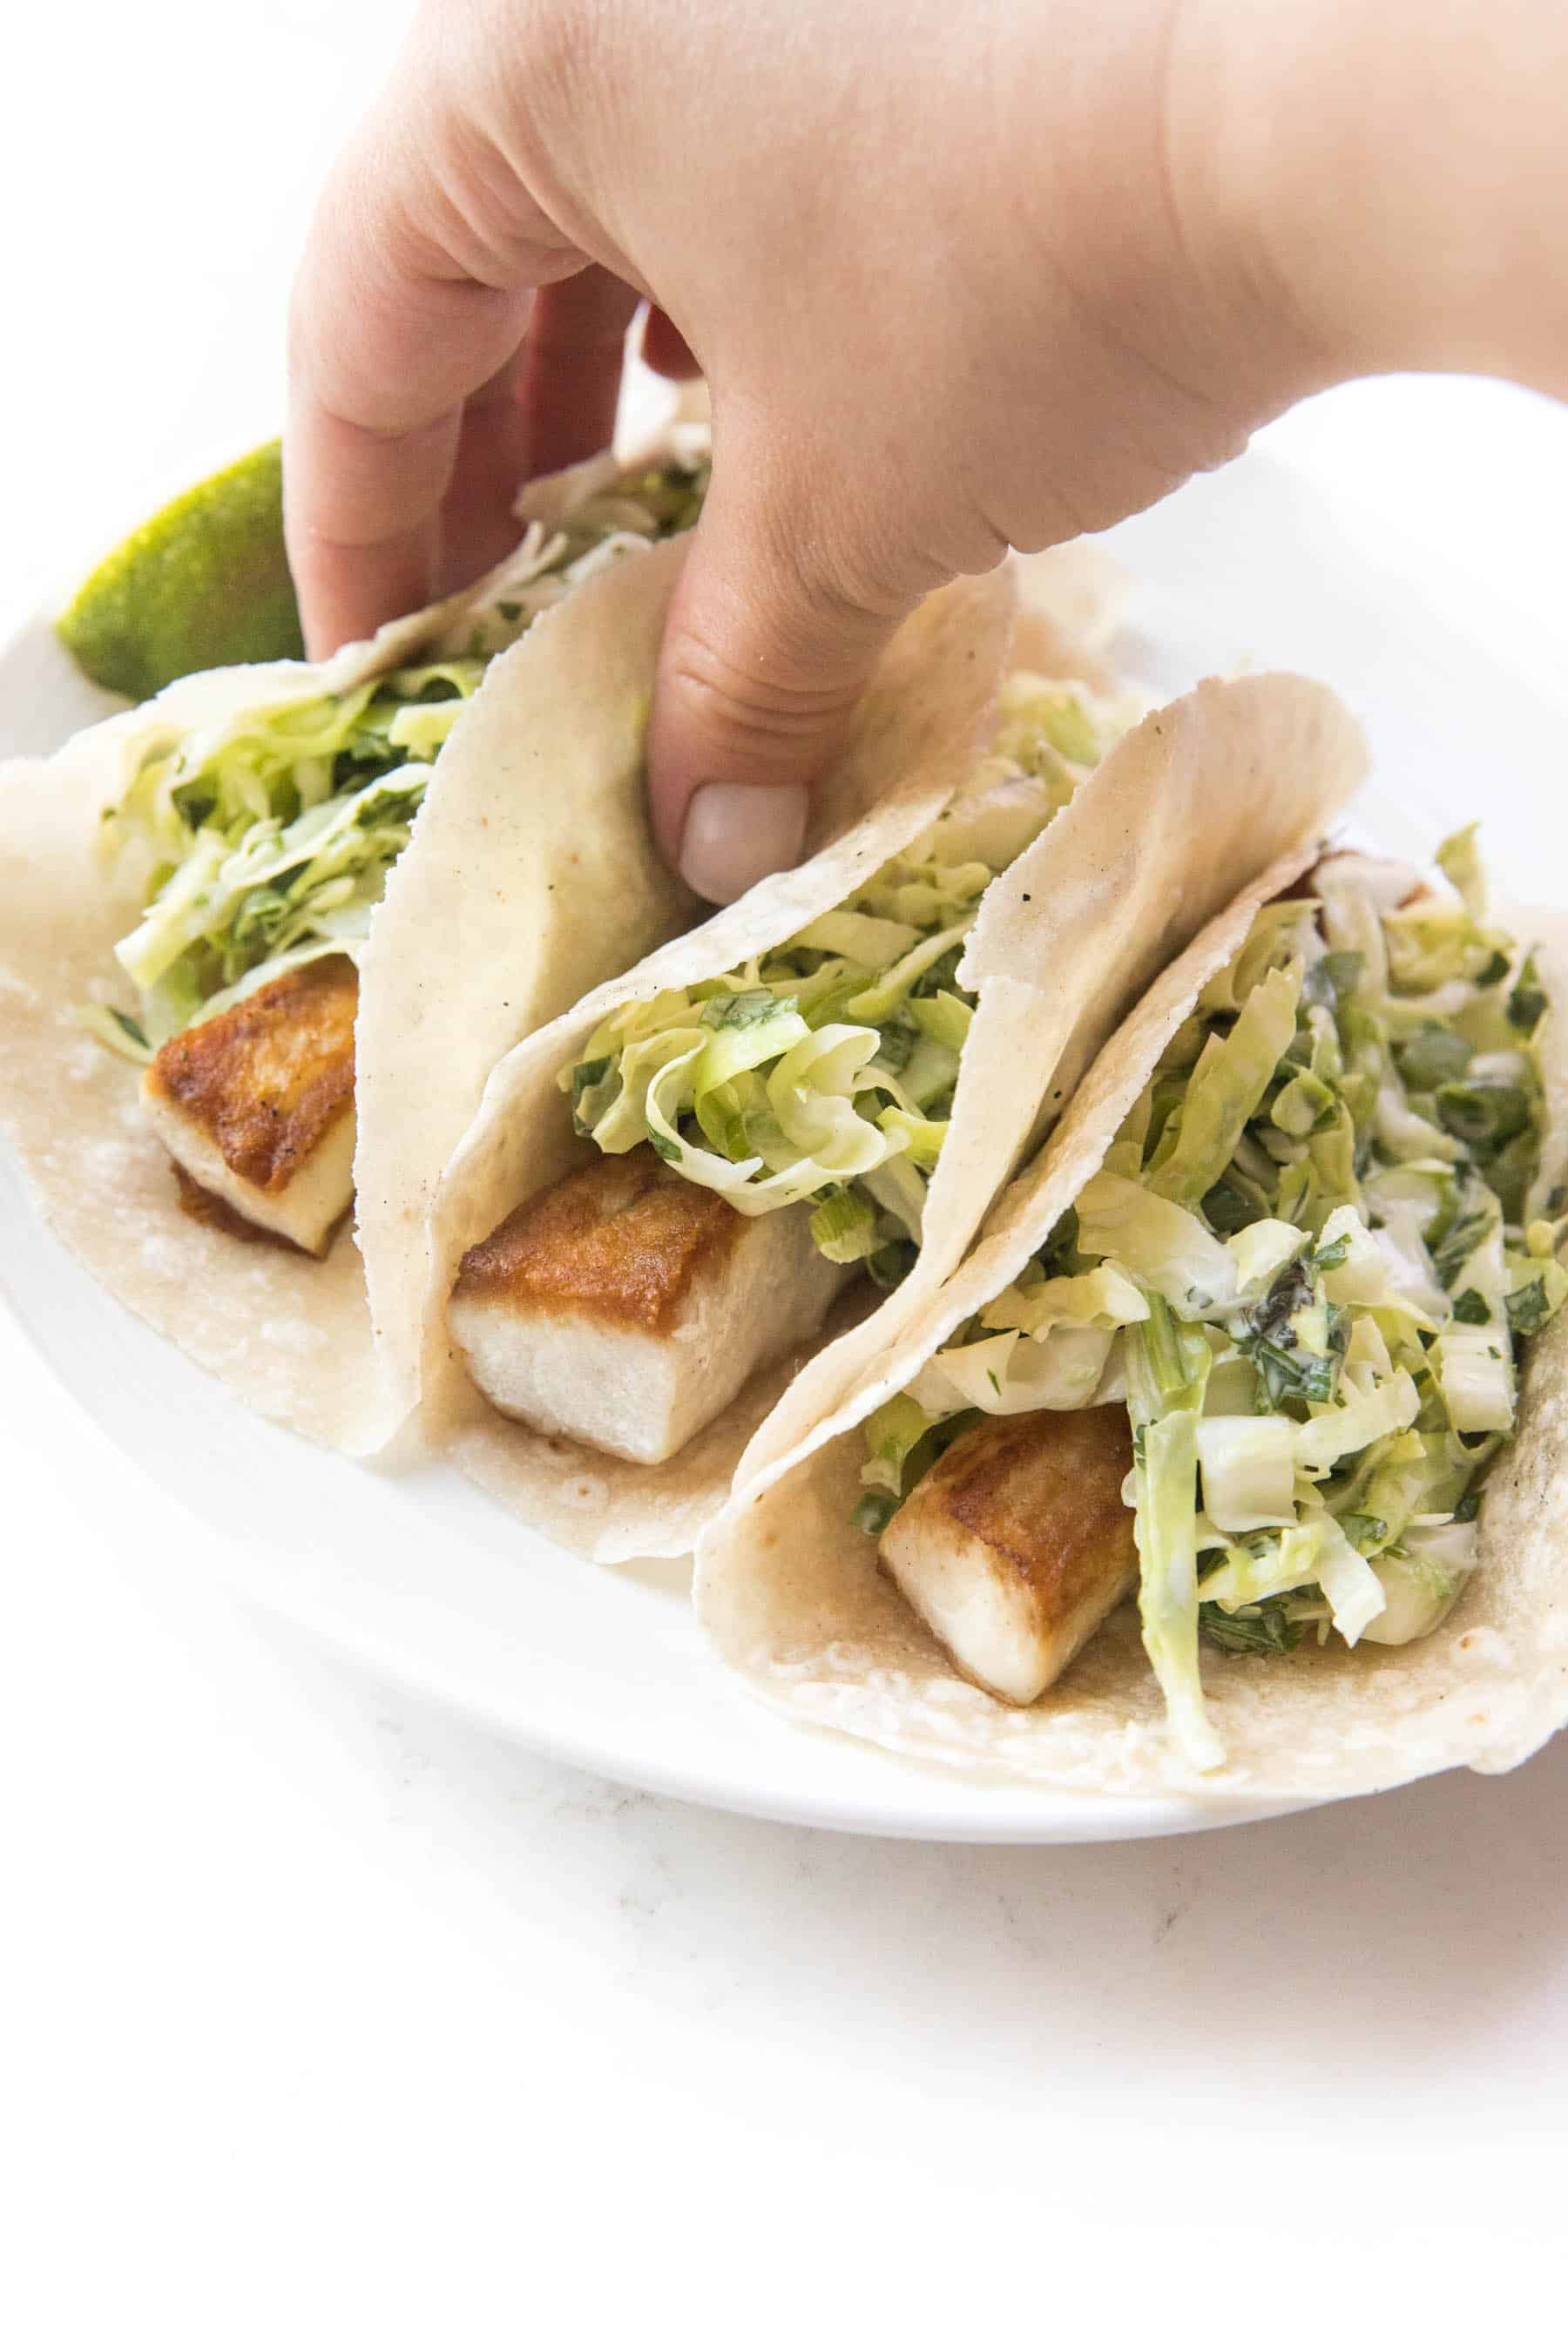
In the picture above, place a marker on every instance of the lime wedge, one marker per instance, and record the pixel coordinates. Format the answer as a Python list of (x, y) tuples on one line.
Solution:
[(204, 582)]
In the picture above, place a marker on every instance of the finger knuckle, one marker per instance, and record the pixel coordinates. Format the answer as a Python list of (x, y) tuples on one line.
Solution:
[(753, 698)]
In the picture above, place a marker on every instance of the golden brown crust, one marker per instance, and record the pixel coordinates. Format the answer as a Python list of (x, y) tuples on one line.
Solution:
[(1043, 1492), (623, 1241), (268, 1079)]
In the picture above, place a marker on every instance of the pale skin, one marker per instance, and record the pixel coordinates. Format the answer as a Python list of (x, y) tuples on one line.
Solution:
[(959, 278)]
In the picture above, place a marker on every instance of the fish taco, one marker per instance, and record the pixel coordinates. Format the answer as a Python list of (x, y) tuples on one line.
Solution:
[(690, 1214), (1230, 1458), (225, 917)]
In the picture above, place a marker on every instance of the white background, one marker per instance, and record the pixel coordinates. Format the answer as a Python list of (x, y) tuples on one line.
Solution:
[(327, 2021)]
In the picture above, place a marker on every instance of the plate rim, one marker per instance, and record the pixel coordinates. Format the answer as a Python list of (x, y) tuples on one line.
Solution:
[(977, 1809)]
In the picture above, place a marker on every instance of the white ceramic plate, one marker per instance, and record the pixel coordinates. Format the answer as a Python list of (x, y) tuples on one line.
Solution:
[(420, 1578)]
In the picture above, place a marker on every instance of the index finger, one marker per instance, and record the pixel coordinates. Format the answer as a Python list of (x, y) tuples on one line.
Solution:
[(390, 334)]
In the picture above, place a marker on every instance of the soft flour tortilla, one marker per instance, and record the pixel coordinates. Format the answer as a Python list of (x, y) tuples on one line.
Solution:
[(1068, 938), (552, 880), (532, 874), (1079, 587), (791, 1595), (912, 742), (1180, 814)]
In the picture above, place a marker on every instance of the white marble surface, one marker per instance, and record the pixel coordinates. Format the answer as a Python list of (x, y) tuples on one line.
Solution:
[(328, 2022)]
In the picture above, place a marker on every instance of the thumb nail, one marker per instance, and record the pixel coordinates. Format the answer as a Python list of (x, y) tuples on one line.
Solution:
[(737, 832)]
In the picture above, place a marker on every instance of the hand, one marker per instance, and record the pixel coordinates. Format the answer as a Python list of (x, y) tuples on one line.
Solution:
[(957, 278)]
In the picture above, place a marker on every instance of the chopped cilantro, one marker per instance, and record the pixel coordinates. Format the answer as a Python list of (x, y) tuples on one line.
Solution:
[(131, 1027), (1264, 1628), (1460, 1243), (588, 1074), (1267, 1337), (1529, 1308)]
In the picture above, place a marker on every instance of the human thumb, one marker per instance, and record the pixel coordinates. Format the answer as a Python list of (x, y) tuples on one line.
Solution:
[(765, 656)]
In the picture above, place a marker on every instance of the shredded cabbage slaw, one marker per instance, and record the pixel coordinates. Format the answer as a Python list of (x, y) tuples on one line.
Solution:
[(825, 1070), (1308, 1266), (271, 837)]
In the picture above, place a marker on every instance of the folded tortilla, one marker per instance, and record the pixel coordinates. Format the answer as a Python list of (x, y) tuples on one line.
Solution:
[(531, 873), (792, 1597), (1066, 939)]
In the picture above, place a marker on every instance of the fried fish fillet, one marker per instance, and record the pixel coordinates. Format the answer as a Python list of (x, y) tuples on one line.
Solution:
[(625, 1307), (1016, 1544), (258, 1104)]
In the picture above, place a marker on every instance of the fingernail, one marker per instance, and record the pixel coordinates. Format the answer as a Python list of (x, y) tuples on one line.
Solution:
[(737, 832)]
